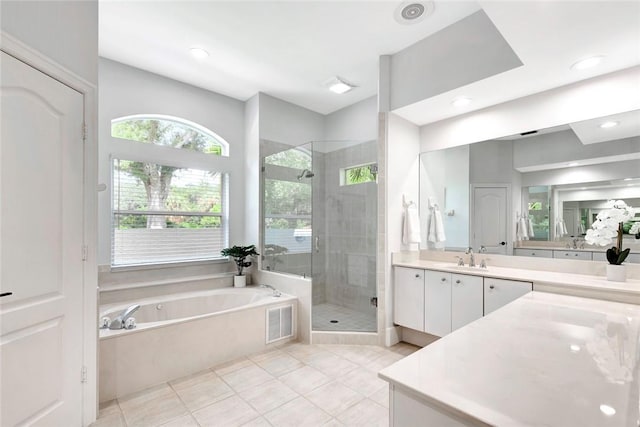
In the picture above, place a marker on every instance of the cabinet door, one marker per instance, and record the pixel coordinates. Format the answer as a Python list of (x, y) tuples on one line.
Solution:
[(498, 292), (408, 298), (572, 255), (539, 253), (466, 299), (437, 300)]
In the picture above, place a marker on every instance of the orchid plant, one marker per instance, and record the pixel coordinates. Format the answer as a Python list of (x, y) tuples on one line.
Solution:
[(608, 225)]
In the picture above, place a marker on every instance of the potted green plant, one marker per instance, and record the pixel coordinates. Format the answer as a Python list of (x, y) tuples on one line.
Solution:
[(608, 226), (240, 255)]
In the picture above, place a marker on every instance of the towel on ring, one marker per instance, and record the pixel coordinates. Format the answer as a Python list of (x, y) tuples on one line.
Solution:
[(436, 225), (521, 229), (530, 228), (411, 226)]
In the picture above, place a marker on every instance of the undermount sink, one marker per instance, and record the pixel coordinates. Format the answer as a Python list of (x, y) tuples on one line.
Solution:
[(464, 267)]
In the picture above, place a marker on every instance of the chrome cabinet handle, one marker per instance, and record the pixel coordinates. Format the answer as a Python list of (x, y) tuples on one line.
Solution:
[(443, 279), (417, 275), (317, 243), (458, 281), (5, 294), (491, 286)]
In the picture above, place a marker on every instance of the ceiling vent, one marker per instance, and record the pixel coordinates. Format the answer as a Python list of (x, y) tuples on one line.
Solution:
[(412, 12)]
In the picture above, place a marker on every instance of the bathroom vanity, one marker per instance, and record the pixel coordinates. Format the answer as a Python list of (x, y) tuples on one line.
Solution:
[(544, 359)]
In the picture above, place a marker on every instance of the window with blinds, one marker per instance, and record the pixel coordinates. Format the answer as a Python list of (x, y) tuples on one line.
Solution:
[(164, 214)]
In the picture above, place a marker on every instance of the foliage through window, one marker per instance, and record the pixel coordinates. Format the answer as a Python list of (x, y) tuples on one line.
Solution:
[(166, 214), (360, 174), (169, 132)]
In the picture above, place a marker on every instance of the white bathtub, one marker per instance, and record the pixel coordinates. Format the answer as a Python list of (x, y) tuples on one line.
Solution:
[(181, 334)]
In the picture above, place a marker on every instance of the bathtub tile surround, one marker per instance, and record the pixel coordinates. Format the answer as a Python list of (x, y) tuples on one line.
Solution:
[(255, 391)]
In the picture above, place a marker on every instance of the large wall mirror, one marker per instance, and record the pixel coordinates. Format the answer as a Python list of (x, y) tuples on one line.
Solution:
[(543, 185)]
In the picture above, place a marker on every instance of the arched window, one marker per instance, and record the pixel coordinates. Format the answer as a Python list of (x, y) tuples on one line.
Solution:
[(169, 132), (162, 212)]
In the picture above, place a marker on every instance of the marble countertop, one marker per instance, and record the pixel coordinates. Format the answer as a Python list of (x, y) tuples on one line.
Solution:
[(544, 359), (538, 277)]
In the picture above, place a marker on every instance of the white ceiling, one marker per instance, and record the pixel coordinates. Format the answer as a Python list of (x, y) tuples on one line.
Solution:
[(288, 49), (590, 132)]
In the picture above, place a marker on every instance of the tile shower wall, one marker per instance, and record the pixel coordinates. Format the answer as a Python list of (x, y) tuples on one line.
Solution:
[(350, 216)]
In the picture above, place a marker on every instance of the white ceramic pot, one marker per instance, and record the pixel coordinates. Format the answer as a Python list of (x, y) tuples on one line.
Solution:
[(239, 281), (616, 273)]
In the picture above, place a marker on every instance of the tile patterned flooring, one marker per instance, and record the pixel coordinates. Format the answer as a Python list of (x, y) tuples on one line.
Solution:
[(348, 319), (293, 385)]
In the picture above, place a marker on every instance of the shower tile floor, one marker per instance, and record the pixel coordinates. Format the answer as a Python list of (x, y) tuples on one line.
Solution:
[(347, 319), (294, 385)]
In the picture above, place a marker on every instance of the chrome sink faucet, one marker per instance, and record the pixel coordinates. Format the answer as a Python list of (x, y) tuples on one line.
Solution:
[(472, 260)]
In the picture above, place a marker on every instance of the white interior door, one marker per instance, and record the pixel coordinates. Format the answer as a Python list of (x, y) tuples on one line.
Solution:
[(490, 213), (41, 238)]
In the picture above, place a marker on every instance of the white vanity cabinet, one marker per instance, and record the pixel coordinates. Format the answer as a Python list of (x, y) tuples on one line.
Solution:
[(437, 295), (451, 301), (632, 257), (499, 292), (408, 298), (568, 254)]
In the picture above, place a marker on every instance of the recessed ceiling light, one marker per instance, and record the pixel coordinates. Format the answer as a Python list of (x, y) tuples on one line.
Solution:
[(461, 101), (199, 53), (339, 85), (572, 164), (607, 125), (592, 61), (575, 348), (607, 410), (628, 179)]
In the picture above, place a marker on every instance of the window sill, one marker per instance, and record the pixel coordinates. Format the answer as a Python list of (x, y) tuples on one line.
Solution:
[(178, 264), (160, 282)]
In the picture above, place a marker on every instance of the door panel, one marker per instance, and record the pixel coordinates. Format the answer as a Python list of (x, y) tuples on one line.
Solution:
[(41, 239), (489, 227), (499, 292), (437, 300), (408, 298), (466, 299)]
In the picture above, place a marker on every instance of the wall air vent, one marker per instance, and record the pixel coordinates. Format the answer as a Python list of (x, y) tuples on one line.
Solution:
[(279, 323), (531, 132)]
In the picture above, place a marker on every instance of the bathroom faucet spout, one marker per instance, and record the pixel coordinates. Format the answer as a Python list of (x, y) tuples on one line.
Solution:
[(472, 260), (276, 293), (119, 322)]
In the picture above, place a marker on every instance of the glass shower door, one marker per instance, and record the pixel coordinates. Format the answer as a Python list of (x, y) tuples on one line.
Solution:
[(345, 199), (287, 208)]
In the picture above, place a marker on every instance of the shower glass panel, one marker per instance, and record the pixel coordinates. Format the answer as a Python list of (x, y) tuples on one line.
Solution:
[(320, 221), (287, 207)]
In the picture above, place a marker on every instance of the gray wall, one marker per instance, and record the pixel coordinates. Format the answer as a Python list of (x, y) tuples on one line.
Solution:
[(65, 31)]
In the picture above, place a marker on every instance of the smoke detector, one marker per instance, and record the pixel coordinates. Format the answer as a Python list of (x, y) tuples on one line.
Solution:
[(412, 12)]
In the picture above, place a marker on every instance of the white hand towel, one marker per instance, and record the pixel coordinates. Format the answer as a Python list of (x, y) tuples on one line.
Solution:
[(564, 228), (436, 226), (521, 232), (530, 233), (411, 229)]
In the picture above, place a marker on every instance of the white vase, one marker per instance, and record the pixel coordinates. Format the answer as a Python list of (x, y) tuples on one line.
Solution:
[(239, 281), (616, 273)]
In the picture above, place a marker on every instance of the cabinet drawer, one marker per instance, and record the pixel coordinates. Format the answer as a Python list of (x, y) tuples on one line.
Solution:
[(572, 255), (632, 258), (539, 253), (499, 292)]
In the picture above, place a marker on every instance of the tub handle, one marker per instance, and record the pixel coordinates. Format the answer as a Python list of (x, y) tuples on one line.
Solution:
[(317, 243)]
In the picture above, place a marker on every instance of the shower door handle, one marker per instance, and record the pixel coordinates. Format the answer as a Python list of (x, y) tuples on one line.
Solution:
[(317, 244)]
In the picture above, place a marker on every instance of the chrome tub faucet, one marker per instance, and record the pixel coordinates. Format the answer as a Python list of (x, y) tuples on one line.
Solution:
[(120, 321), (276, 293)]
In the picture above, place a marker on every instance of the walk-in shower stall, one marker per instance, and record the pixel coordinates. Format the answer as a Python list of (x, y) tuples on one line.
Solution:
[(319, 210)]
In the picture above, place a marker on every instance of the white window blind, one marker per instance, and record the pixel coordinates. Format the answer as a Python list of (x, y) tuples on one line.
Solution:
[(165, 214)]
